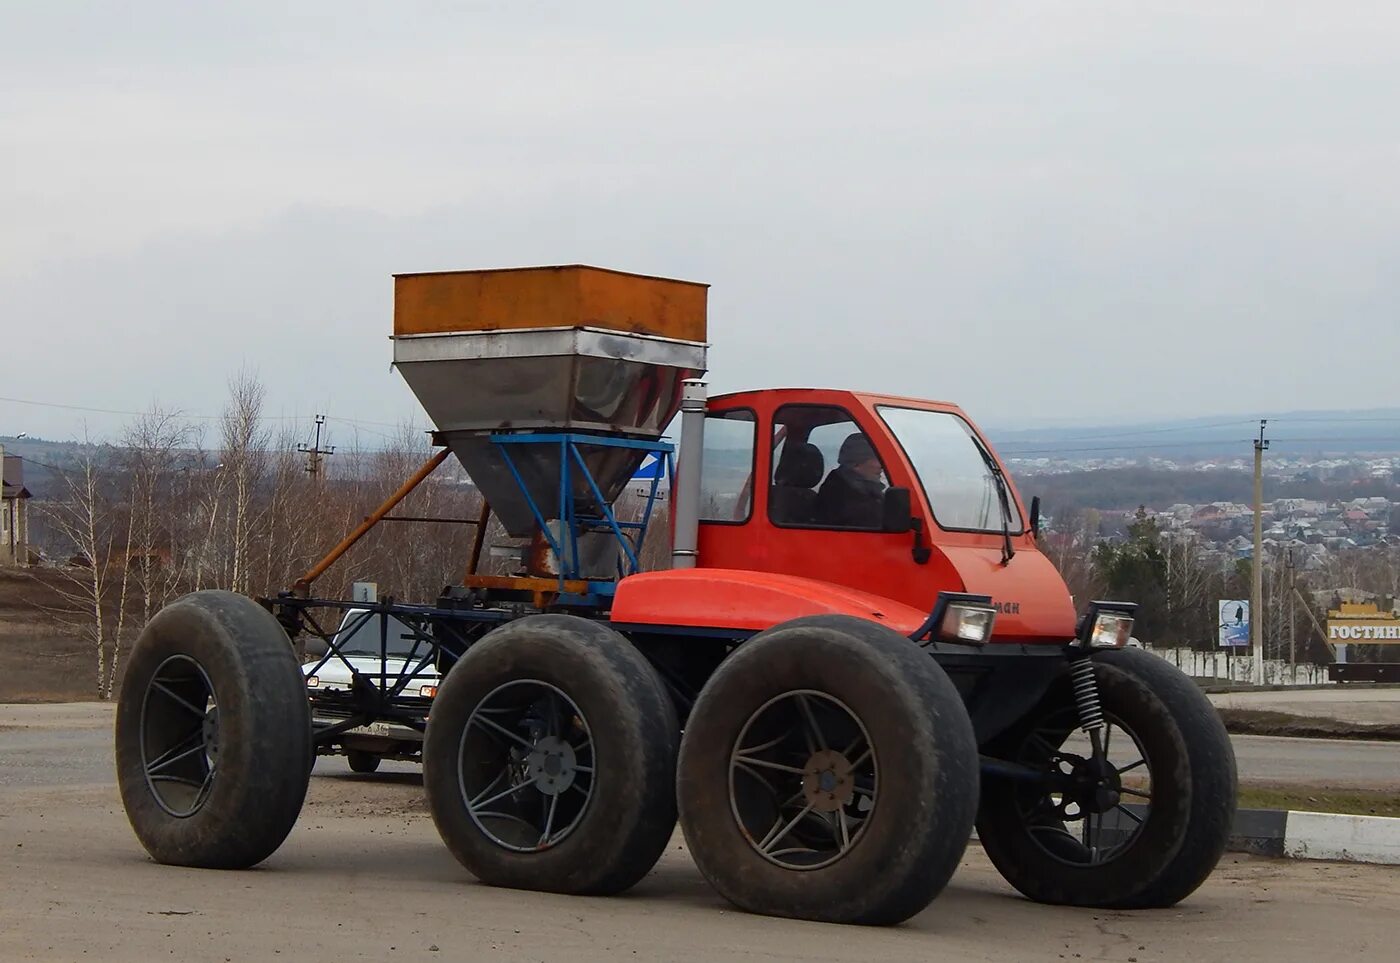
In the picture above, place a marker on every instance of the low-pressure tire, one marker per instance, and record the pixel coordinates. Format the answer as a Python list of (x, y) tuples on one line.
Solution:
[(828, 772), (213, 733), (549, 758), (361, 761), (1180, 798)]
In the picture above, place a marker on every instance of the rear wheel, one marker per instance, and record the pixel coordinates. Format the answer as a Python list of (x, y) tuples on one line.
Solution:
[(361, 761), (213, 733), (828, 772), (1145, 830), (549, 760)]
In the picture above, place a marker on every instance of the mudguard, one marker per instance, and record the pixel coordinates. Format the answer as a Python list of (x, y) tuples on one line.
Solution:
[(724, 598)]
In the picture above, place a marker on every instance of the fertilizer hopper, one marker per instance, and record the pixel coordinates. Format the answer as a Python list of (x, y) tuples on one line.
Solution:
[(550, 385)]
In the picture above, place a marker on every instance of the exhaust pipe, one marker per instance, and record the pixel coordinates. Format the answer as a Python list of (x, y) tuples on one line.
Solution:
[(687, 500)]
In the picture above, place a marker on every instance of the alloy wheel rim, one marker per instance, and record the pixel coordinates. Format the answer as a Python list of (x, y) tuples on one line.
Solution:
[(526, 765), (1082, 819), (803, 780), (180, 736)]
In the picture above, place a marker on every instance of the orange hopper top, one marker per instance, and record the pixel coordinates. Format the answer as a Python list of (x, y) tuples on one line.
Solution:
[(547, 297)]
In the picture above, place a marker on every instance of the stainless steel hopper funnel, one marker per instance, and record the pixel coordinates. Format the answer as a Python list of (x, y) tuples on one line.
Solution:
[(546, 351)]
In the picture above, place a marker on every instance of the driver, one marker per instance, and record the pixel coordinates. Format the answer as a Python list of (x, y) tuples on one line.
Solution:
[(853, 494)]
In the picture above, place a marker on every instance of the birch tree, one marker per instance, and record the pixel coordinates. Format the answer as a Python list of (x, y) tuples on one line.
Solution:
[(244, 459), (83, 518)]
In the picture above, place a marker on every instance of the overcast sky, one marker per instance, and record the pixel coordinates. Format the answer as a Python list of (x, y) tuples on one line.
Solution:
[(1091, 212)]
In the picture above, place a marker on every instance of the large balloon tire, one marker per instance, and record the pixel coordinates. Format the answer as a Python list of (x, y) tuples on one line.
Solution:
[(895, 696), (250, 757), (624, 824), (1193, 794), (362, 761)]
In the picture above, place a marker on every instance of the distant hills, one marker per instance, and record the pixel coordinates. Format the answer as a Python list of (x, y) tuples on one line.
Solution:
[(1296, 434), (1292, 435)]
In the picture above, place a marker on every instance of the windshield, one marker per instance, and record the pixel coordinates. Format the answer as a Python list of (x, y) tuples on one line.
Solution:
[(364, 640), (948, 459)]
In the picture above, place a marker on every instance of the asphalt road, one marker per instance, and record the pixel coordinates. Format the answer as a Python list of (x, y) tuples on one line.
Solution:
[(70, 744), (365, 877)]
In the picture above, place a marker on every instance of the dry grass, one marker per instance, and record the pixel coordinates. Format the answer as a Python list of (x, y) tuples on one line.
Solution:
[(1266, 722)]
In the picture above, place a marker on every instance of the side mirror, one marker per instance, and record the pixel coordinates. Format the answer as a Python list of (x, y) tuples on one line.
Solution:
[(898, 515), (1035, 517)]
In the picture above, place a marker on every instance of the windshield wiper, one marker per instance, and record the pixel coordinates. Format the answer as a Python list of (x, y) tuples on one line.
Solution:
[(1008, 551)]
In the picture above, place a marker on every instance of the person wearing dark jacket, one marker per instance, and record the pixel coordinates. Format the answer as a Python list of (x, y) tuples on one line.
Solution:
[(853, 494)]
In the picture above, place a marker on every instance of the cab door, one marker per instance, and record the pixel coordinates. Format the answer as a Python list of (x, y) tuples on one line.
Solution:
[(797, 487)]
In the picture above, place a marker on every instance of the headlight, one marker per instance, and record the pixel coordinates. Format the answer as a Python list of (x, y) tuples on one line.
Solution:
[(1107, 625), (970, 624), (958, 617), (312, 682), (428, 691)]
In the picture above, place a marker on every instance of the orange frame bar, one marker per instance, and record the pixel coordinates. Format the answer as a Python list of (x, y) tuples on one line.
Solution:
[(303, 584)]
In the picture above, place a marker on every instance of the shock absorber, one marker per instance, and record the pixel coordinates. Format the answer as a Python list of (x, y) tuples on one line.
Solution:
[(1086, 697)]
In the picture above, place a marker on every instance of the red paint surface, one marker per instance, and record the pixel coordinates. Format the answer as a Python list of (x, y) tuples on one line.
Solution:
[(858, 572), (738, 599)]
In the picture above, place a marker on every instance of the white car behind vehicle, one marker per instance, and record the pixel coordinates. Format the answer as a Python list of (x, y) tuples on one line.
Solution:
[(329, 682)]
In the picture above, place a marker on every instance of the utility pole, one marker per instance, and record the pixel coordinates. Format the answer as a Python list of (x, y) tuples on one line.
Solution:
[(1292, 635), (315, 453), (1256, 602)]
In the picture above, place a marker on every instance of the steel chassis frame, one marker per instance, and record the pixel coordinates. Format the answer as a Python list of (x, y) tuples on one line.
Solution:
[(999, 682)]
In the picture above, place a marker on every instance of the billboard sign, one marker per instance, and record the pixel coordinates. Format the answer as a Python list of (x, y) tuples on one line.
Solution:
[(1234, 623), (1364, 631), (653, 467), (1363, 623)]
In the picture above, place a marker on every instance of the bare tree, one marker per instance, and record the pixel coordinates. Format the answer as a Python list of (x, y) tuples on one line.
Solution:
[(155, 444), (244, 459), (1190, 578), (1070, 546), (84, 519)]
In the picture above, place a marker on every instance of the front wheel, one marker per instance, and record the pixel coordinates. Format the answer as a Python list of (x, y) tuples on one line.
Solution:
[(1145, 829), (828, 772), (549, 760), (361, 761)]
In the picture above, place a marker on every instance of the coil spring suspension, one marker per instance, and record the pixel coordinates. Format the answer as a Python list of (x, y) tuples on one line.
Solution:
[(1086, 696)]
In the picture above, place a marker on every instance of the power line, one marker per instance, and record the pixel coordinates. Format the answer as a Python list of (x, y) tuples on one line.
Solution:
[(1338, 421), (1153, 431), (1212, 443), (1178, 444), (359, 422)]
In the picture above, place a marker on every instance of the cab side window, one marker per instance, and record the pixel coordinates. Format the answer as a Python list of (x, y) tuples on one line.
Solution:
[(826, 473), (726, 474)]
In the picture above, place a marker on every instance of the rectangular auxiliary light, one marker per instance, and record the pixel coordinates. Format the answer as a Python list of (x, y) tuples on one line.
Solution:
[(960, 618), (1106, 625), (967, 623)]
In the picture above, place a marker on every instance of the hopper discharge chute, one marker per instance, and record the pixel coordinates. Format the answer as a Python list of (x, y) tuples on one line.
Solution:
[(527, 372)]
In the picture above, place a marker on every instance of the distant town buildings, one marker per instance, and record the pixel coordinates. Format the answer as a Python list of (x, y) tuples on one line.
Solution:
[(1311, 530)]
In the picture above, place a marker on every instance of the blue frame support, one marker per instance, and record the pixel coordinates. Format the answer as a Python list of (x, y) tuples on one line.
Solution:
[(571, 459)]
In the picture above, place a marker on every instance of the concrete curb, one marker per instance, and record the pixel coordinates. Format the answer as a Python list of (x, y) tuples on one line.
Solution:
[(1305, 835), (1302, 835), (1214, 688)]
